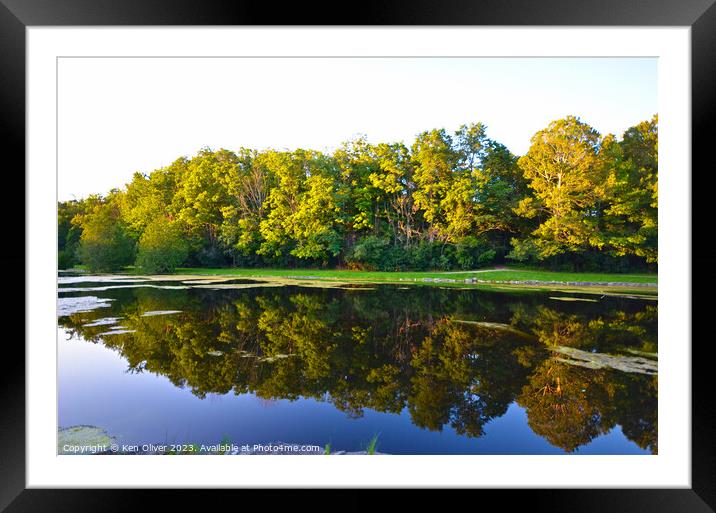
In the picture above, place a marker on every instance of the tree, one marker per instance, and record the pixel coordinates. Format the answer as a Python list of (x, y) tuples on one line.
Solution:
[(248, 193), (434, 159), (566, 173), (632, 212), (69, 231), (394, 179), (283, 201), (105, 244), (153, 195), (304, 220), (162, 247), (362, 203), (314, 226), (575, 200), (201, 195)]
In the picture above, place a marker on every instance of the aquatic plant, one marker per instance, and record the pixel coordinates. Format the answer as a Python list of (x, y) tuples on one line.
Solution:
[(372, 445)]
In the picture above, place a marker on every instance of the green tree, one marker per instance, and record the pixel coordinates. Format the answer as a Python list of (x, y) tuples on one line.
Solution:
[(202, 194), (435, 159), (304, 220), (162, 247), (69, 231), (105, 244), (315, 230), (153, 195), (566, 173), (248, 191), (394, 178), (361, 202), (283, 203), (632, 212)]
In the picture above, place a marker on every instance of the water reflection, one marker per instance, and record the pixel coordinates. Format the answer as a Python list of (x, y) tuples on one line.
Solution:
[(454, 358)]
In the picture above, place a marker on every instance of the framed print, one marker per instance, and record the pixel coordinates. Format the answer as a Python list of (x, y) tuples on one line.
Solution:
[(438, 238)]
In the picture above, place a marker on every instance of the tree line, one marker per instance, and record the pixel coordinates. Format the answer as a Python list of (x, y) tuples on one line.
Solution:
[(576, 200)]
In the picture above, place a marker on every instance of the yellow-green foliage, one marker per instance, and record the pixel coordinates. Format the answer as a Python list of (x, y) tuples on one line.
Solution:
[(162, 247), (575, 192)]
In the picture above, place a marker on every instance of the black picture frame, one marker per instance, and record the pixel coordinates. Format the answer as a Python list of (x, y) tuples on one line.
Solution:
[(700, 15)]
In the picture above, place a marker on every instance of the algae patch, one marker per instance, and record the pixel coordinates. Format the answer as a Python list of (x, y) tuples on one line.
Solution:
[(160, 312), (495, 326), (633, 364), (567, 298), (73, 305), (83, 440)]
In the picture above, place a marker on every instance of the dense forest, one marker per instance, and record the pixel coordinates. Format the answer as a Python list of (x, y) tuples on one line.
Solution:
[(576, 200)]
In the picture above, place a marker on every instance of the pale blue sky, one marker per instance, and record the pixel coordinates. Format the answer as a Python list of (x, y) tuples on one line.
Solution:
[(117, 116)]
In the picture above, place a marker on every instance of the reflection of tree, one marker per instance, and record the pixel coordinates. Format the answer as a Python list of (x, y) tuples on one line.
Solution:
[(559, 407), (465, 375), (613, 330), (449, 357), (570, 406)]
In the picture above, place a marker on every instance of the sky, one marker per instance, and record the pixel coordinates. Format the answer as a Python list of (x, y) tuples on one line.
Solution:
[(119, 116)]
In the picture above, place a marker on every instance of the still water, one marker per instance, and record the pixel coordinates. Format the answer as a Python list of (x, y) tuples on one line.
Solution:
[(425, 369)]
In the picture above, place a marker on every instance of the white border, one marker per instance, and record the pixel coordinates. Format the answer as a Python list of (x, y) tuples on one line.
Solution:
[(672, 465)]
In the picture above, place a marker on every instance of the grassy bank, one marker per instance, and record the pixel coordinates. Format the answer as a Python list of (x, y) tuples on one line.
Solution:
[(498, 275), (505, 279)]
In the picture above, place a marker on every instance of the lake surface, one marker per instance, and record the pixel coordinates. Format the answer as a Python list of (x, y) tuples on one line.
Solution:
[(426, 369)]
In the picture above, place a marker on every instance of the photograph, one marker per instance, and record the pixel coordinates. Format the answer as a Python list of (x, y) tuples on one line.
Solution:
[(357, 256), (471, 244)]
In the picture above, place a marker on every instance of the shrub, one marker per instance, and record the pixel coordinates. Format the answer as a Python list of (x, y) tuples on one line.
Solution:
[(370, 253), (65, 259), (162, 247), (472, 252), (105, 244)]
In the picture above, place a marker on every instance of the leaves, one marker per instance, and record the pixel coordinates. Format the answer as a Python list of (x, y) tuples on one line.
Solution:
[(574, 195)]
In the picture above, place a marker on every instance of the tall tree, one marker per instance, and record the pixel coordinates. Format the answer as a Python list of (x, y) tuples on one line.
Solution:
[(202, 193), (435, 159), (361, 201), (247, 192), (105, 244), (632, 211), (566, 173), (394, 178)]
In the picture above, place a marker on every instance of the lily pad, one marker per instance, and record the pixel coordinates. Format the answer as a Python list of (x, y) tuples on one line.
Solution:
[(83, 440)]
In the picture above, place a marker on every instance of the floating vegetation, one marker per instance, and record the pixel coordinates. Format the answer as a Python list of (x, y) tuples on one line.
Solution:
[(83, 440), (567, 298), (589, 360), (103, 322), (273, 358), (117, 331), (220, 286), (72, 305), (641, 353), (495, 326), (111, 287)]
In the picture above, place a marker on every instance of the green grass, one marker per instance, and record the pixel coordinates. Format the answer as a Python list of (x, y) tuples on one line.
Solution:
[(507, 274)]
